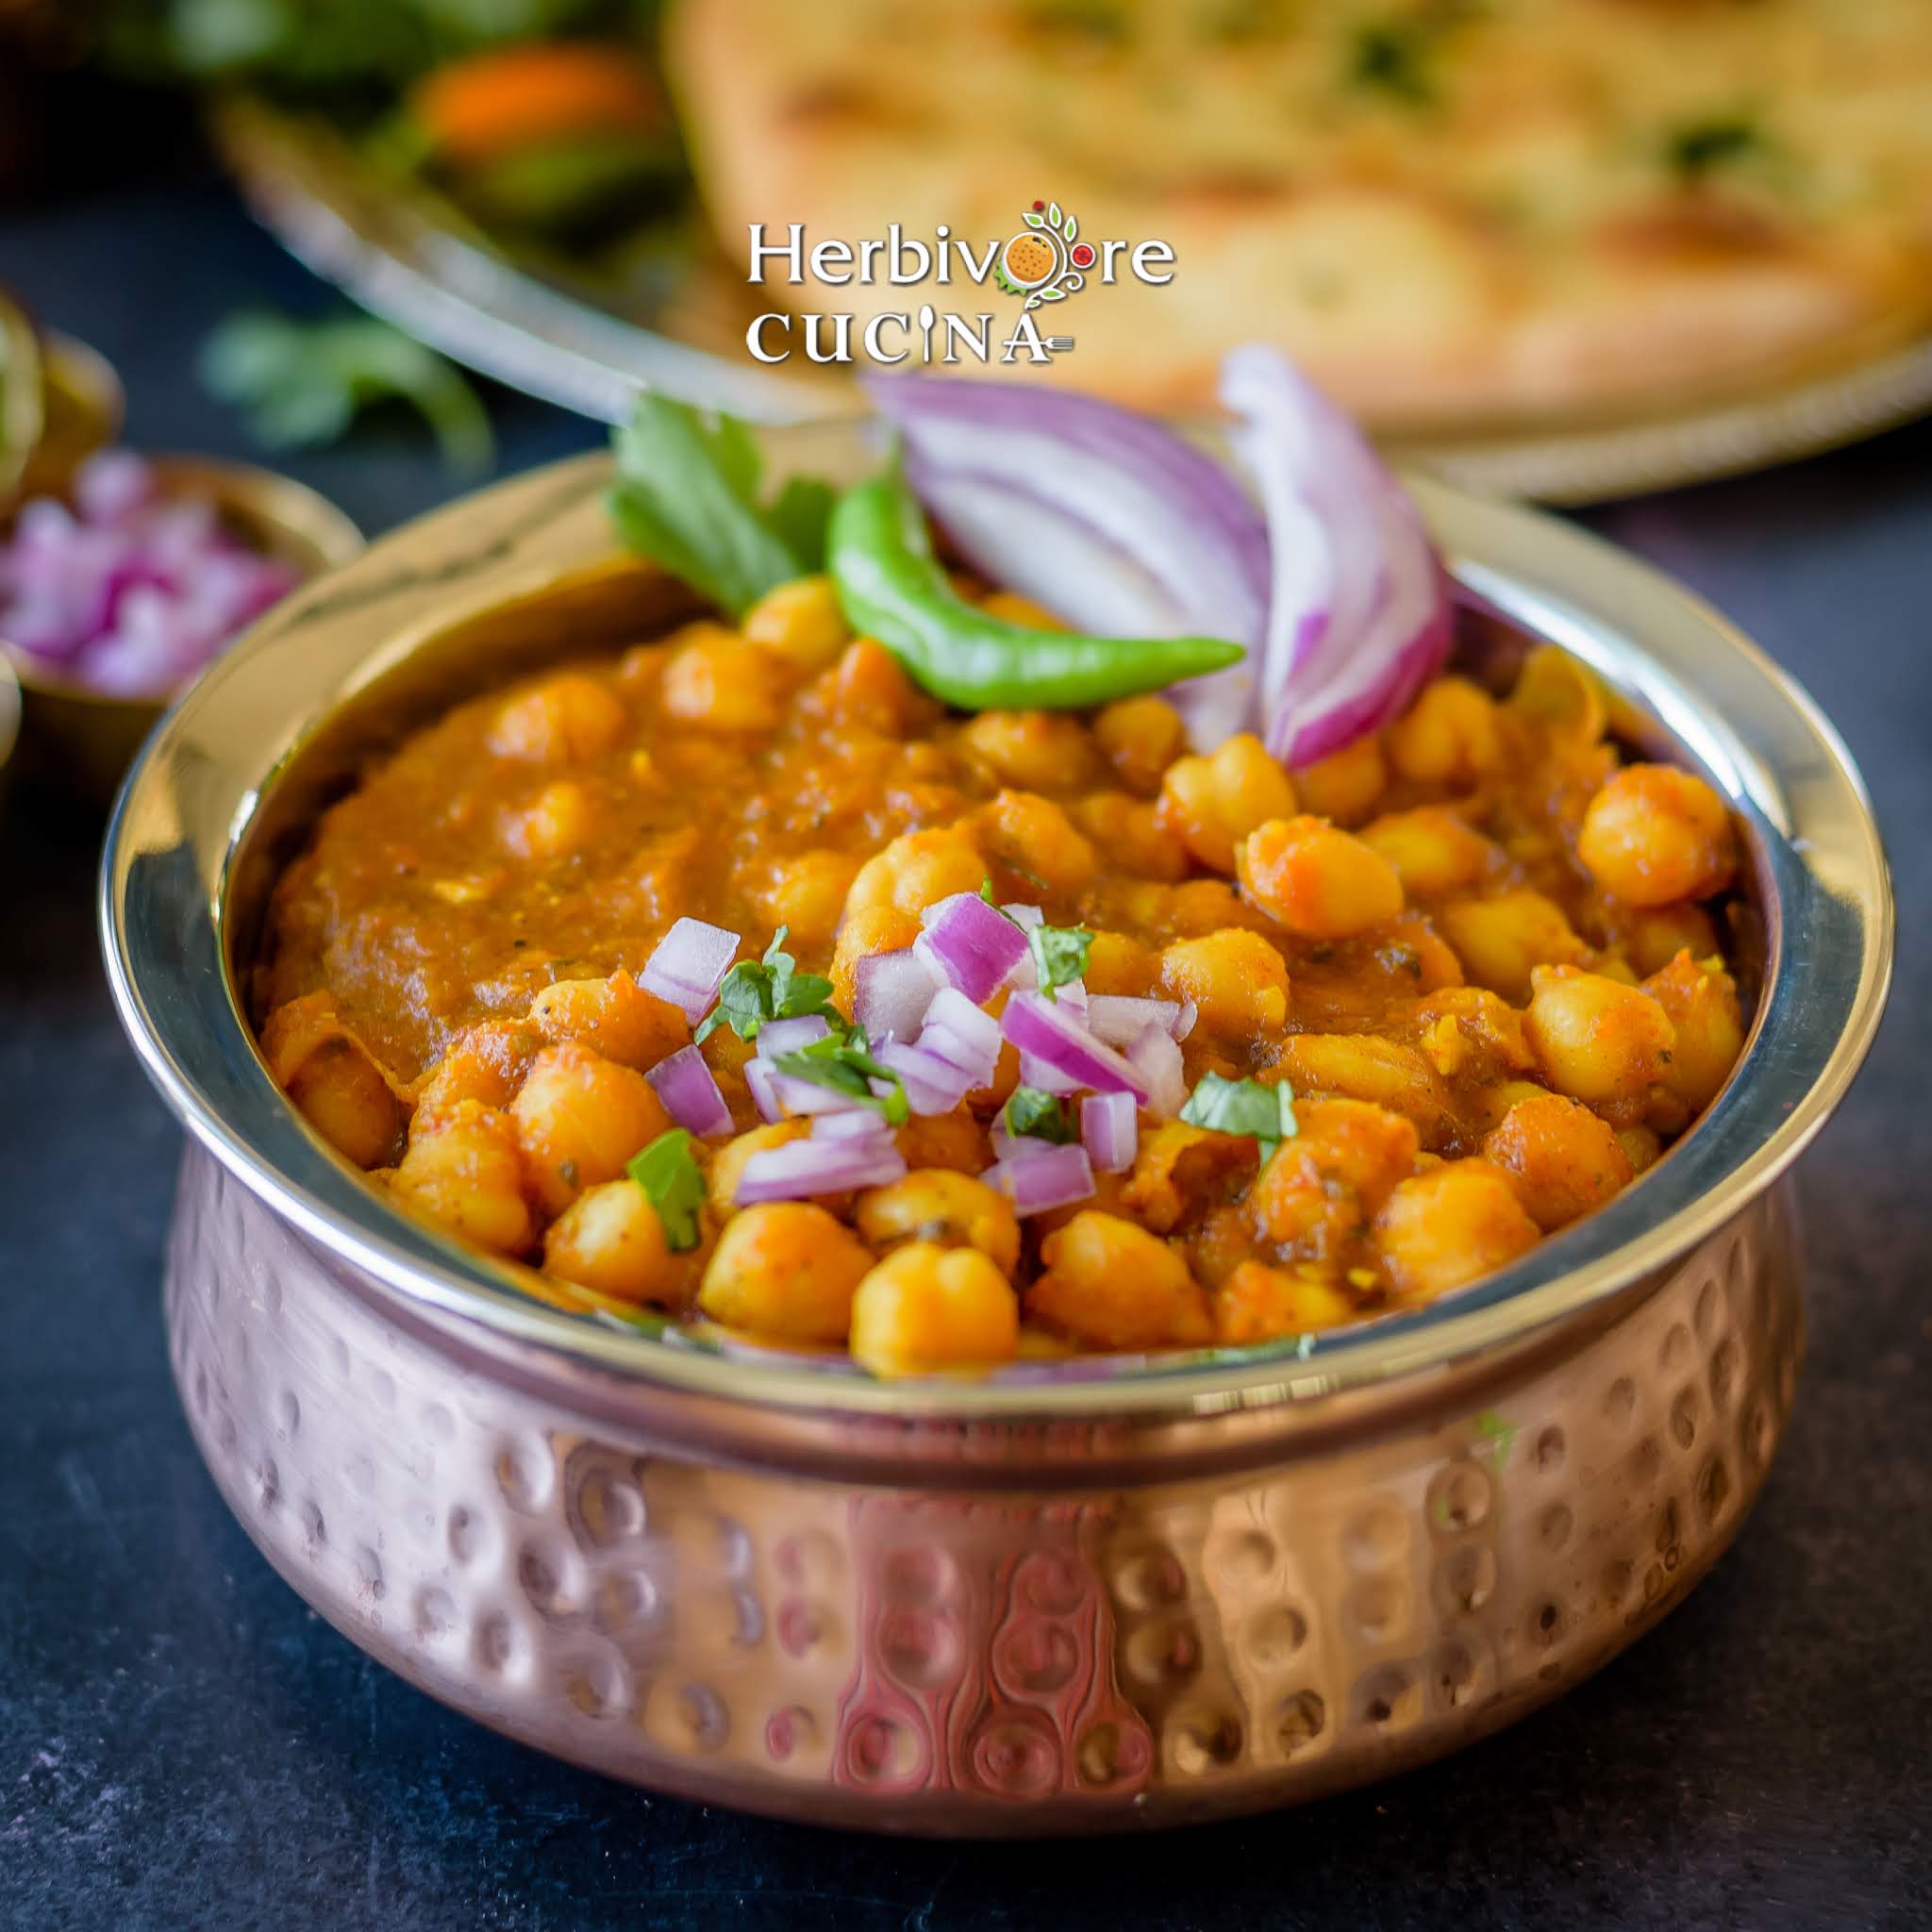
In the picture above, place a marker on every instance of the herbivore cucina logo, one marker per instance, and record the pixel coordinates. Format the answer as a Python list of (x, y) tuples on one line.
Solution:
[(1043, 263)]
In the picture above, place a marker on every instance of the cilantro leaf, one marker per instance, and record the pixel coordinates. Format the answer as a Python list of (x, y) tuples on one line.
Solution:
[(844, 1065), (686, 496), (1242, 1106), (306, 382), (1059, 953), (674, 1185), (1034, 1112), (758, 991)]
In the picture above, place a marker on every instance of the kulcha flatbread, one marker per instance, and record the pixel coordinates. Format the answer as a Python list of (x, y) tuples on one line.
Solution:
[(1452, 212)]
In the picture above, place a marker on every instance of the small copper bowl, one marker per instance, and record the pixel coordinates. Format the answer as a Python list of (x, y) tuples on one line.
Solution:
[(1079, 1595), (83, 739)]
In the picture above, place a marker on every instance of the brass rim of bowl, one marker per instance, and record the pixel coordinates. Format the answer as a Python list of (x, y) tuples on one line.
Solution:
[(22, 394), (185, 814), (287, 519)]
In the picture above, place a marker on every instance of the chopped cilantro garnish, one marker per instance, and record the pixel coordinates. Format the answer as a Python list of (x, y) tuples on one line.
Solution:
[(1242, 1106), (1034, 1112), (674, 1185), (844, 1063), (1059, 953), (758, 991), (1696, 148)]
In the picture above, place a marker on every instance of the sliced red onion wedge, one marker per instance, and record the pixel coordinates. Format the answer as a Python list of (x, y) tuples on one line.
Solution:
[(932, 1084), (970, 945), (1038, 1175), (1119, 1018), (1035, 1071), (1107, 517), (688, 965), (801, 1169), (1358, 615), (1109, 1130), (1054, 1036), (1157, 1056), (890, 993), (689, 1093)]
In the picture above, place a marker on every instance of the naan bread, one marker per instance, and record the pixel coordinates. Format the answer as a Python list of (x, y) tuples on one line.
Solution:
[(1451, 213)]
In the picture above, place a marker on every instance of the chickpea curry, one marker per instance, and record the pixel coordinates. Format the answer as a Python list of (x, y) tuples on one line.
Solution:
[(1164, 1048)]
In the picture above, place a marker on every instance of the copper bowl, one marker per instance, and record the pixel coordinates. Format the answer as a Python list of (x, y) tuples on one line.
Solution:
[(82, 741), (1077, 1595)]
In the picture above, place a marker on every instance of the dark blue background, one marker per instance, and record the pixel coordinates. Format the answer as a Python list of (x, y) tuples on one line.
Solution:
[(182, 1743)]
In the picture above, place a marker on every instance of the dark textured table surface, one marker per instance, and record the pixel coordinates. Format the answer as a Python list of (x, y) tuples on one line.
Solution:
[(183, 1743)]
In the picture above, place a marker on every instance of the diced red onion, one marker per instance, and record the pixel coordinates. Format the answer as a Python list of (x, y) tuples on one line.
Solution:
[(1035, 1071), (1157, 1056), (970, 945), (1026, 916), (777, 1037), (1358, 615), (1040, 1175), (801, 1169), (688, 965), (861, 1123), (1107, 518), (890, 993), (1053, 1035), (932, 1084), (958, 1030), (1119, 1018), (1109, 1130), (758, 1081), (689, 1093), (796, 1096)]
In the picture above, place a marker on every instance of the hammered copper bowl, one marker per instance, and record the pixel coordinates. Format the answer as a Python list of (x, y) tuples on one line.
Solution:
[(1076, 1596)]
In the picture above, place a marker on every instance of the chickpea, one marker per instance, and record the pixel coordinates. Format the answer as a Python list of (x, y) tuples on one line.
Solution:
[(727, 1164), (1503, 939), (801, 620), (1654, 937), (1261, 1304), (333, 1079), (1345, 785), (941, 1208), (1196, 907), (486, 1063), (1326, 1182), (1559, 695), (1433, 850), (1641, 1146), (785, 1271), (1141, 736), (610, 1238), (926, 1308), (721, 681), (347, 1099), (569, 718), (1236, 979), (1116, 964), (1131, 831), (1562, 1159), (1181, 1172), (1654, 834), (466, 1172), (807, 893), (1112, 1285), (578, 1118), (1036, 835), (1211, 803), (955, 1140), (1450, 736), (1413, 946), (1363, 1066), (1597, 1041), (614, 1016), (1038, 751), (1442, 1229), (1318, 880), (866, 687), (562, 819), (1702, 1001)]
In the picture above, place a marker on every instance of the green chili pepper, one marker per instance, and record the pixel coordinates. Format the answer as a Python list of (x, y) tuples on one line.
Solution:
[(893, 589)]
